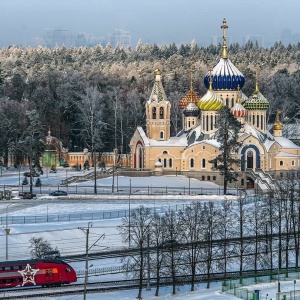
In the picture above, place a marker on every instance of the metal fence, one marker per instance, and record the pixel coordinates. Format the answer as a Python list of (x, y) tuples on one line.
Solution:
[(237, 288), (122, 190), (101, 215)]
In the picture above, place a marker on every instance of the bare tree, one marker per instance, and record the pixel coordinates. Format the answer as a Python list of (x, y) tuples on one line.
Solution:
[(90, 116), (39, 247), (138, 230)]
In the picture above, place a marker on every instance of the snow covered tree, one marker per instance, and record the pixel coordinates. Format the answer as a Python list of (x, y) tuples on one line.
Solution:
[(227, 136)]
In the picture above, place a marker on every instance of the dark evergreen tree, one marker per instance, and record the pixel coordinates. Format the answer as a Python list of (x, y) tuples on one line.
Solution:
[(30, 141), (25, 181), (38, 182), (227, 135)]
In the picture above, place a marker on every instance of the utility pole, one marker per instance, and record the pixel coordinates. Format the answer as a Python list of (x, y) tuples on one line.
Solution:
[(86, 231)]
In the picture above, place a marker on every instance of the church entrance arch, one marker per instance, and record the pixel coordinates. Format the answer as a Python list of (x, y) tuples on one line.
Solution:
[(250, 158)]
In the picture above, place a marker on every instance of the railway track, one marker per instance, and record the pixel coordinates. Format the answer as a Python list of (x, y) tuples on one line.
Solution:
[(116, 285)]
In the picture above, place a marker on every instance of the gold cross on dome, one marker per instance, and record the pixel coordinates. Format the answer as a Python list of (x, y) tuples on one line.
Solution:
[(224, 47), (224, 27)]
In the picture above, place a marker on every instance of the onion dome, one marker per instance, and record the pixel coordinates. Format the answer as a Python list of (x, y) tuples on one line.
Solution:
[(238, 110), (225, 75), (158, 93), (257, 101), (210, 101), (191, 110), (277, 125), (191, 96)]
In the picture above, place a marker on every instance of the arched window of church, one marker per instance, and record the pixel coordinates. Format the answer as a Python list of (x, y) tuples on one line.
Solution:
[(159, 159), (192, 164), (165, 152), (154, 113), (281, 163), (161, 112), (206, 123), (170, 163), (262, 122), (227, 101), (189, 123), (161, 134), (232, 102), (257, 118), (293, 162), (165, 162), (203, 163), (211, 122)]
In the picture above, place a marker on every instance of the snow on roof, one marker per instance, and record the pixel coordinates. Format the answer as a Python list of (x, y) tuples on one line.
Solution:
[(173, 141), (253, 131), (268, 144), (286, 143), (143, 135), (285, 154)]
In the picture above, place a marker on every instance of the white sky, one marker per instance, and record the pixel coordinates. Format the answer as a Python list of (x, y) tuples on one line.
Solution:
[(153, 21)]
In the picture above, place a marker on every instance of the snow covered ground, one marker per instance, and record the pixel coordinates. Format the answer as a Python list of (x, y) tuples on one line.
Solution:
[(71, 240)]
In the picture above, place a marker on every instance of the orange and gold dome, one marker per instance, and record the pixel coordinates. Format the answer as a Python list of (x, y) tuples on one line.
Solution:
[(190, 97)]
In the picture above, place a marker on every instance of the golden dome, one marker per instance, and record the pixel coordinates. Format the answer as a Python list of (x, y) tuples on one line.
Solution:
[(157, 72), (277, 125)]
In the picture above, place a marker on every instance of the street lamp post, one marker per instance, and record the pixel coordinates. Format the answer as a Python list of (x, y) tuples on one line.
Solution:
[(7, 230)]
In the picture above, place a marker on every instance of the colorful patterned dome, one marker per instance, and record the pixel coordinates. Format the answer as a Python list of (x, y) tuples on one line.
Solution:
[(238, 110), (225, 76), (210, 101), (256, 102), (190, 97), (191, 110)]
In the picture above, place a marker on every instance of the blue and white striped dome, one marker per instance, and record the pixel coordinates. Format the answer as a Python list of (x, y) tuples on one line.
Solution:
[(225, 76)]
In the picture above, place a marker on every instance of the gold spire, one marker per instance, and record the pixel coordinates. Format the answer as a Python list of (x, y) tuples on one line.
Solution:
[(224, 47), (210, 79), (277, 125), (192, 70), (256, 80), (239, 95)]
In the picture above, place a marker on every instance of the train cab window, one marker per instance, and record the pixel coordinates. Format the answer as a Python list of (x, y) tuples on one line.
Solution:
[(16, 267), (68, 270), (7, 268)]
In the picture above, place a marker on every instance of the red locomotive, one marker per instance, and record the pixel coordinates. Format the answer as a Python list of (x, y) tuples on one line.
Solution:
[(35, 272)]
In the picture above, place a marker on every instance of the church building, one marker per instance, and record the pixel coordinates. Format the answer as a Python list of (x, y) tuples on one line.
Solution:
[(264, 155)]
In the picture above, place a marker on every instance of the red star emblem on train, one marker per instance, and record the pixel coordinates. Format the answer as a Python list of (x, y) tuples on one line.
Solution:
[(28, 274)]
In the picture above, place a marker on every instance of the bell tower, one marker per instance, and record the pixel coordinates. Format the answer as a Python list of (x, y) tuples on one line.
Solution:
[(158, 111)]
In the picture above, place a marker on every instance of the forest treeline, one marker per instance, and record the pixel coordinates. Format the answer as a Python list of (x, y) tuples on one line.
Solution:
[(56, 82)]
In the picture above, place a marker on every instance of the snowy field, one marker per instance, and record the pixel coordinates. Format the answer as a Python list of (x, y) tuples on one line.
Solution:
[(71, 240)]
